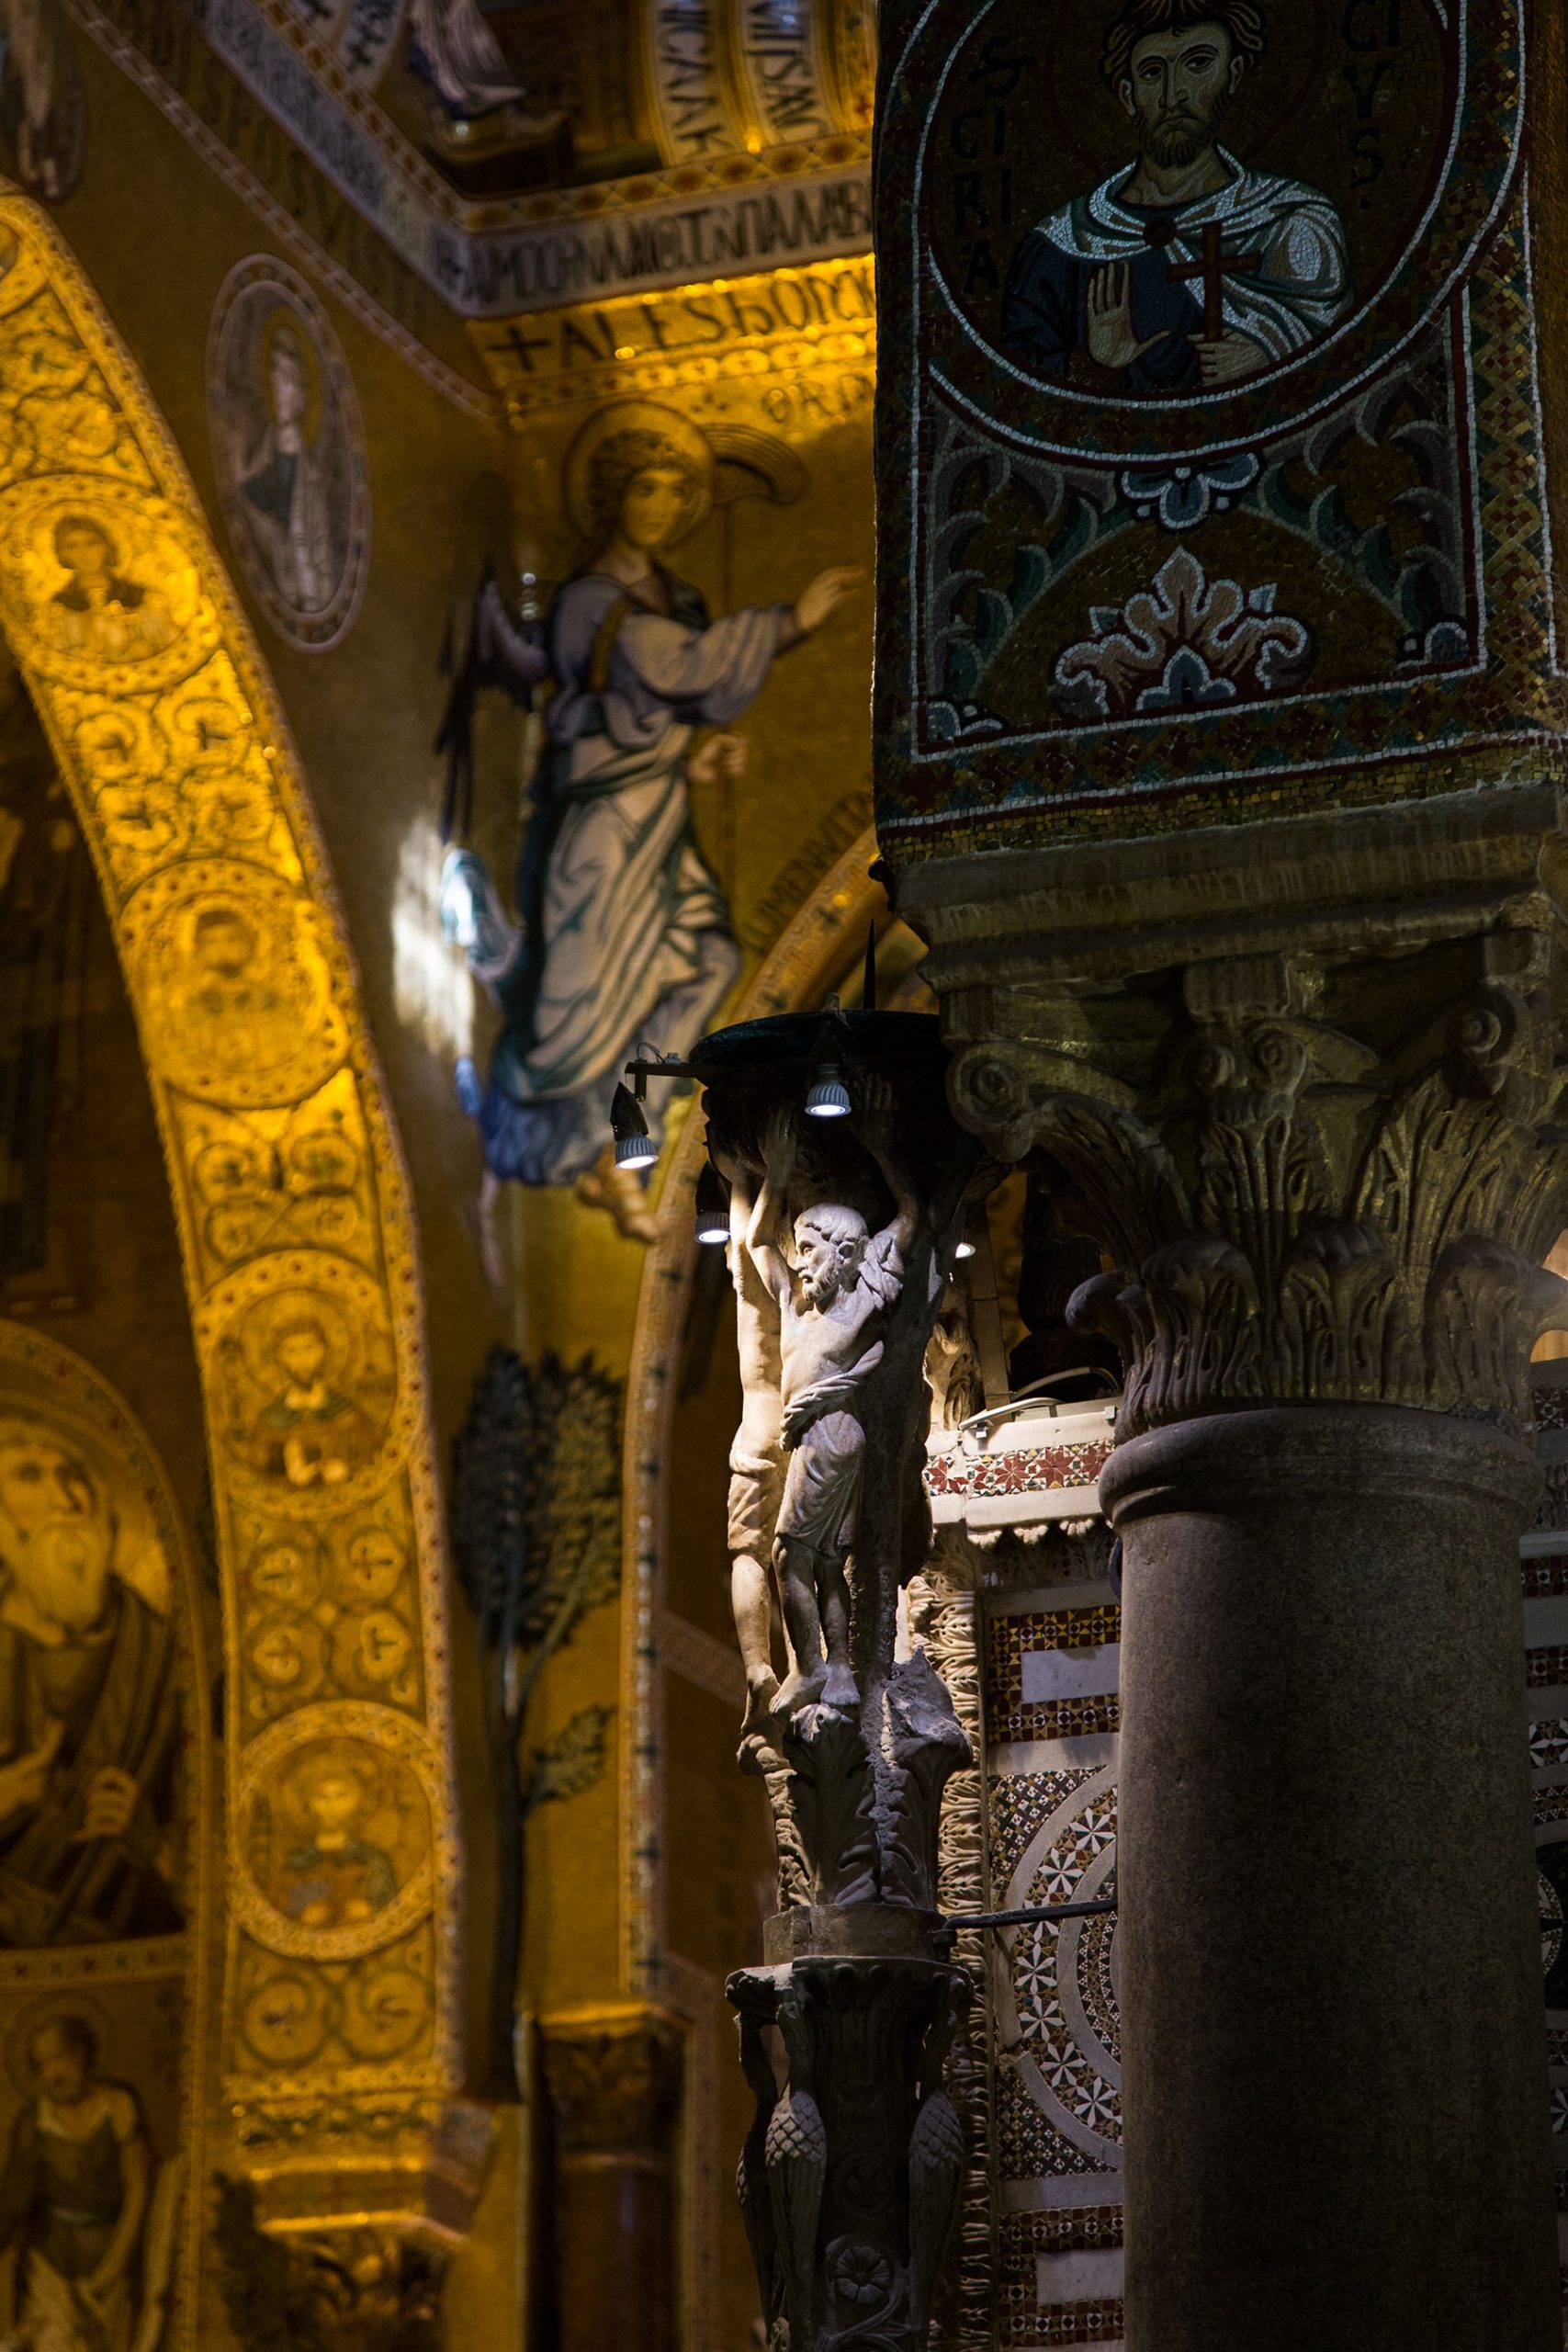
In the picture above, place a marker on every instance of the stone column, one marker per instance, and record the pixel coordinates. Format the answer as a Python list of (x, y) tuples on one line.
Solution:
[(1330, 1979), (1325, 1184), (613, 2082), (844, 1232)]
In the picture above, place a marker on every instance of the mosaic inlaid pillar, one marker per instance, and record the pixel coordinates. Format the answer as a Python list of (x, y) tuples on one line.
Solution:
[(1220, 724)]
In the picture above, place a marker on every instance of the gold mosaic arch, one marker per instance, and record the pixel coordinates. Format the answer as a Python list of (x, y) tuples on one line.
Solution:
[(339, 2047)]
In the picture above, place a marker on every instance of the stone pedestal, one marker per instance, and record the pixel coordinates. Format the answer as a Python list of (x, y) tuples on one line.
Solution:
[(851, 2176), (1332, 2035)]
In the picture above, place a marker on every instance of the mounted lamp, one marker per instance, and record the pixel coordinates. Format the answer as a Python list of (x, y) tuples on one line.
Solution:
[(713, 1205)]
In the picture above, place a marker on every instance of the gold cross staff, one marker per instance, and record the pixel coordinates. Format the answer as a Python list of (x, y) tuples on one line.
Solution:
[(1213, 266)]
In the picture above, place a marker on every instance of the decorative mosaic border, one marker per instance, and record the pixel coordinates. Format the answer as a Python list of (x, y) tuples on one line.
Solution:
[(1031, 1470)]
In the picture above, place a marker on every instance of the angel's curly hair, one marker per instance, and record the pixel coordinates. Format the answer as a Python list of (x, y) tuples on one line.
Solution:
[(617, 464)]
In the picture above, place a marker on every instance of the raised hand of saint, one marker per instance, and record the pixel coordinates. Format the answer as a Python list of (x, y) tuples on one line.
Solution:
[(1112, 338)]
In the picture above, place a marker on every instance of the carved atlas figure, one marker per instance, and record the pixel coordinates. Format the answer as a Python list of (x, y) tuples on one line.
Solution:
[(624, 930), (1187, 268), (833, 1301)]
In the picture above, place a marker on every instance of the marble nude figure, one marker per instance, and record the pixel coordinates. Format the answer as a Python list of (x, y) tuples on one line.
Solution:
[(811, 1318)]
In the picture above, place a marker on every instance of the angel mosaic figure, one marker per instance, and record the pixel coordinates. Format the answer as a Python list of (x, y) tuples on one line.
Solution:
[(833, 1302), (625, 933)]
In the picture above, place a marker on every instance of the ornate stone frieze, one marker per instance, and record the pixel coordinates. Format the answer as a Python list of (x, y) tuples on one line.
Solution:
[(851, 2177), (1310, 1184)]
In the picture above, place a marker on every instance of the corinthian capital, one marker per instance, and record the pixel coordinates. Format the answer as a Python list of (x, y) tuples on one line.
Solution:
[(1310, 1184)]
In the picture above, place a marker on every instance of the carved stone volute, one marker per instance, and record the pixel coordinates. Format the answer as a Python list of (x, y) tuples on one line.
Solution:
[(1308, 1201)]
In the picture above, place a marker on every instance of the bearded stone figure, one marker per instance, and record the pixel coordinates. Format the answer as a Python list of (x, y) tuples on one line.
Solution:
[(832, 1303), (87, 1722)]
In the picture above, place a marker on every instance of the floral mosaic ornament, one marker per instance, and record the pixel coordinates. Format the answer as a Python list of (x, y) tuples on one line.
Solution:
[(1184, 642), (1183, 496)]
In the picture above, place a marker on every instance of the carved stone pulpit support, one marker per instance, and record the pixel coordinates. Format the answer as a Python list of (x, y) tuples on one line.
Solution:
[(843, 1234)]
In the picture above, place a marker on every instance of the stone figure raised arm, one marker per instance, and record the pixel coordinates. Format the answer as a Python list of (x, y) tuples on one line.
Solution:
[(756, 1457), (833, 1301)]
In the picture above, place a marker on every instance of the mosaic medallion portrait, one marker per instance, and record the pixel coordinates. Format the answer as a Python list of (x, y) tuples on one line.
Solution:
[(334, 1827), (1218, 189), (307, 1370), (289, 450)]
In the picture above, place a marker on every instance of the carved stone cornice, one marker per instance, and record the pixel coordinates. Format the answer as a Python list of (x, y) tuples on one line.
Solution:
[(1312, 1181)]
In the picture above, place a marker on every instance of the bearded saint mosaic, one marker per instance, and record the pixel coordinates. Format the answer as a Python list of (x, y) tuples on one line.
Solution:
[(88, 1701), (1207, 302), (1184, 265), (624, 930)]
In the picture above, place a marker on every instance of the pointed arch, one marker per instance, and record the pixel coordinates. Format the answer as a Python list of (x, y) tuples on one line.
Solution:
[(339, 2051)]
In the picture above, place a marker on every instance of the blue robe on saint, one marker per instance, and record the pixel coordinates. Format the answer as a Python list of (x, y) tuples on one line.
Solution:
[(1287, 279)]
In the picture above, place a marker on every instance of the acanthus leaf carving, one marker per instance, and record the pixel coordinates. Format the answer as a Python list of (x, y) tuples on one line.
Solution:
[(1295, 1215)]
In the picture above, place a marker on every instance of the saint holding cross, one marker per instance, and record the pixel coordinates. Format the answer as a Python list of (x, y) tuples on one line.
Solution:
[(1190, 269)]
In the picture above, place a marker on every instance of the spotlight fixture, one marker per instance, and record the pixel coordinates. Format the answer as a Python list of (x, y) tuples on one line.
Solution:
[(713, 1205), (635, 1148), (829, 1097), (965, 1250)]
